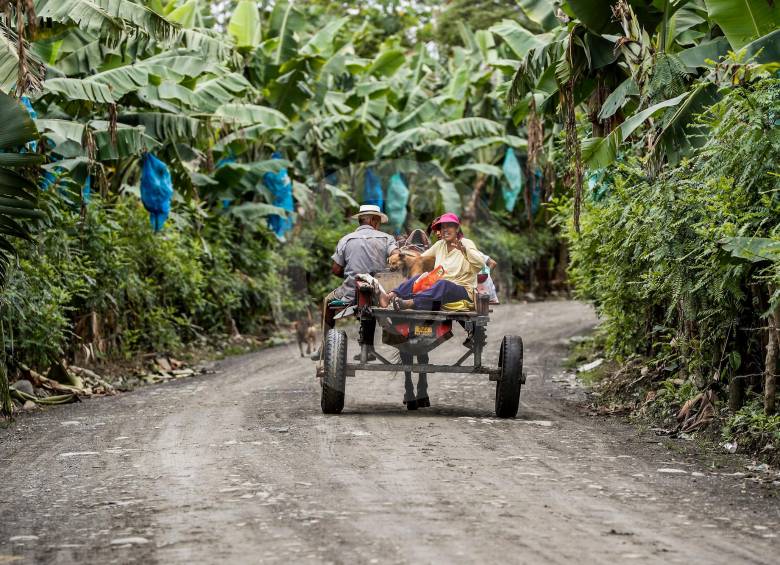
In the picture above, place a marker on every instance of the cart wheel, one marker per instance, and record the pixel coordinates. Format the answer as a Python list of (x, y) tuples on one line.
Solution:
[(334, 381), (508, 388)]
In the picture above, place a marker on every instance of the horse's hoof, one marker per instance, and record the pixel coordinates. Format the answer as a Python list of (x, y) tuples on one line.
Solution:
[(411, 404), (424, 402)]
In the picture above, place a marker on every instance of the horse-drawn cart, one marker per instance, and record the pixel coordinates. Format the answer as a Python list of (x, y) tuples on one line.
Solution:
[(414, 333)]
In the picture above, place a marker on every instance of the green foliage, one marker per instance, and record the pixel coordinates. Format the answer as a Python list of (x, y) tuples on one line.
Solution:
[(310, 254), (107, 279), (38, 300), (153, 284), (512, 250), (668, 79), (745, 20), (650, 255), (516, 252), (479, 14), (670, 397), (752, 428)]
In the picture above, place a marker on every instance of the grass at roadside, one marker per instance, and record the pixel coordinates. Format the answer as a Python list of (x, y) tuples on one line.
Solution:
[(654, 398)]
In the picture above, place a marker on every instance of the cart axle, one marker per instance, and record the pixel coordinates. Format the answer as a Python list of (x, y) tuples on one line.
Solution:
[(493, 372)]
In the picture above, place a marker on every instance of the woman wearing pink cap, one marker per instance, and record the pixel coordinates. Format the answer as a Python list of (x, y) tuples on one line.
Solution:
[(461, 261)]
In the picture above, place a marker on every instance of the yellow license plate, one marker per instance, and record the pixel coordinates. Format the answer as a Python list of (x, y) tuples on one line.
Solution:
[(423, 330)]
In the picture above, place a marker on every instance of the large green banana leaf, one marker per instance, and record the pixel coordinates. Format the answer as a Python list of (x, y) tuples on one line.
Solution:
[(765, 49), (9, 60), (520, 40), (285, 20), (539, 12), (743, 21), (186, 15), (17, 192), (108, 17), (431, 132), (598, 152), (244, 115), (77, 89), (244, 25)]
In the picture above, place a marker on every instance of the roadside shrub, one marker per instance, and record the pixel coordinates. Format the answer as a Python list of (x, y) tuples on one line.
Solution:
[(650, 254), (670, 397), (43, 287), (100, 280), (753, 429), (147, 289)]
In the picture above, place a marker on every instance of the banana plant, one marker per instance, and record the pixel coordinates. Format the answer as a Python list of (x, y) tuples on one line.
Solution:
[(17, 191), (630, 59)]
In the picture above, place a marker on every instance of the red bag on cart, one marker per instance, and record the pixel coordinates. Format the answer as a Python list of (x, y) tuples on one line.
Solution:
[(427, 280)]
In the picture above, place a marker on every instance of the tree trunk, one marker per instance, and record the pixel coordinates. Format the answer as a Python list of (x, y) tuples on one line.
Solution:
[(741, 344), (530, 180), (470, 214), (769, 374), (736, 393), (770, 365), (561, 267), (6, 406)]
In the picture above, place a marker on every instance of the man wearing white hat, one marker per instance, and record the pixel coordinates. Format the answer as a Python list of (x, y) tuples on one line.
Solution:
[(365, 250)]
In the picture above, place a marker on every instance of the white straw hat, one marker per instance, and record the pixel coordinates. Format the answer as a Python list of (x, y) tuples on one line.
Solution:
[(371, 210)]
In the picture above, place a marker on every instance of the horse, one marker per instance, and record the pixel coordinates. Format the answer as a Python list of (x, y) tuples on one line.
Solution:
[(409, 262), (411, 247)]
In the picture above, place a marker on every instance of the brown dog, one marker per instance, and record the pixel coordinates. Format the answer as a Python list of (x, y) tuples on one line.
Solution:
[(306, 332)]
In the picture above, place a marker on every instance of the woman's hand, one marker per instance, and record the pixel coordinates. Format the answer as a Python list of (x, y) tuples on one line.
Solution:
[(456, 244)]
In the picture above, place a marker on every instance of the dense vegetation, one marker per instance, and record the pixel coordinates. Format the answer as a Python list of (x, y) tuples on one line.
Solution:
[(213, 90), (672, 230), (681, 264), (646, 133)]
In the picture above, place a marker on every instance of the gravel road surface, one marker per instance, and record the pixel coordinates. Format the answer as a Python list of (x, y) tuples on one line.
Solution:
[(241, 466)]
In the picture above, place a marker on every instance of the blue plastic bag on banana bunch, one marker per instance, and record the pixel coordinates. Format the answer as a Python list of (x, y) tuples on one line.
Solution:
[(280, 186), (536, 192), (86, 190), (32, 145), (599, 184), (372, 190), (156, 190), (513, 175), (397, 199)]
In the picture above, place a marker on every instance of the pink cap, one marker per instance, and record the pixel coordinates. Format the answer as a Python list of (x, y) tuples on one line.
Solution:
[(448, 218)]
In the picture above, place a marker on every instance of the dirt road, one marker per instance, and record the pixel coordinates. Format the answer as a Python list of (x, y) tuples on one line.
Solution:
[(242, 467)]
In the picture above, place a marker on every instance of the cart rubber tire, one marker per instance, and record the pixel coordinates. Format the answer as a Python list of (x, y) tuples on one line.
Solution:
[(508, 388), (334, 380)]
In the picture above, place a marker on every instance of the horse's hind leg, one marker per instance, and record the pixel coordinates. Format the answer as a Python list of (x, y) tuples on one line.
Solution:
[(422, 383), (409, 397)]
